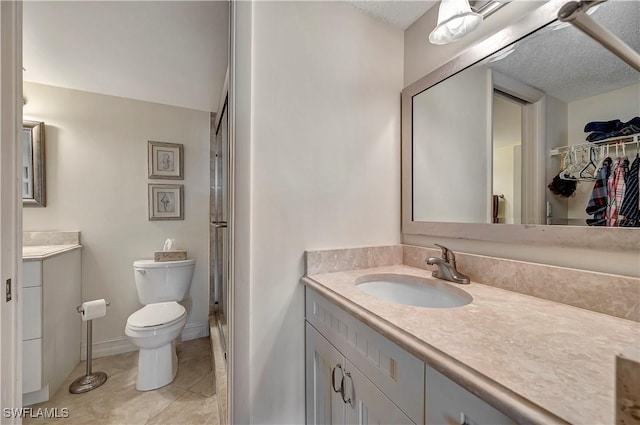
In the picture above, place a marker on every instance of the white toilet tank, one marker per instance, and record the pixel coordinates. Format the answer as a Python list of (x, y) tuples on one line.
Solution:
[(158, 282)]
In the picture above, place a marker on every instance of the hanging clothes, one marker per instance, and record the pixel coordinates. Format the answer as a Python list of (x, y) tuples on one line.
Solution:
[(630, 208), (597, 206), (615, 190)]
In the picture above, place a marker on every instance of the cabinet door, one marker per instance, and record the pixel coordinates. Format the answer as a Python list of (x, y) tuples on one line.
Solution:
[(31, 365), (448, 403), (324, 405), (31, 313), (367, 404)]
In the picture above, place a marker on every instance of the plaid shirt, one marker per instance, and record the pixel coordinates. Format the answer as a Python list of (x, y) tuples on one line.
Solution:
[(615, 190), (599, 200)]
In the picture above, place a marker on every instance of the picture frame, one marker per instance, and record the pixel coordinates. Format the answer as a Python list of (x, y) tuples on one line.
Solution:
[(33, 165), (166, 202), (166, 160)]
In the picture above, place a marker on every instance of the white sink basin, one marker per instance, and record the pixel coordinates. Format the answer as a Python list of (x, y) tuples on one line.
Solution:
[(413, 290)]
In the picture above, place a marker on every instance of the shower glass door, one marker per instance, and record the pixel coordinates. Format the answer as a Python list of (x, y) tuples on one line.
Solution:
[(220, 232)]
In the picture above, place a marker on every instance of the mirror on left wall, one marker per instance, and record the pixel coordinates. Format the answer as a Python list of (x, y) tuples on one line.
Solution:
[(33, 164)]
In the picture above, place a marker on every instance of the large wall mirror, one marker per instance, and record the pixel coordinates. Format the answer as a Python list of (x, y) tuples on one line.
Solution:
[(484, 135), (33, 166)]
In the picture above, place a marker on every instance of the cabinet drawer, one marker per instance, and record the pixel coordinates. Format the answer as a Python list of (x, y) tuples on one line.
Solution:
[(31, 273), (396, 372), (448, 403), (31, 312), (31, 365)]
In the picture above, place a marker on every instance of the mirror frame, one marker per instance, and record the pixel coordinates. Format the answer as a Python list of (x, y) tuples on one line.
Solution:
[(605, 238), (38, 164)]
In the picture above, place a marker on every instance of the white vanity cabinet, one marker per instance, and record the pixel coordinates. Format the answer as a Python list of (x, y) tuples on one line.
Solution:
[(51, 331), (355, 375), (338, 393), (31, 326), (381, 382)]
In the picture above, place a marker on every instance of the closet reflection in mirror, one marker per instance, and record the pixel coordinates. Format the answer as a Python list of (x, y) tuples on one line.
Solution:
[(485, 141), (507, 159), (33, 165)]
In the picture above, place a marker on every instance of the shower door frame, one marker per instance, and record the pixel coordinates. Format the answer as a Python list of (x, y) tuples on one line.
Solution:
[(220, 220)]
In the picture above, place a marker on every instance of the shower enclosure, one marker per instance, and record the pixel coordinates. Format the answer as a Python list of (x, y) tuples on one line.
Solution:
[(219, 278)]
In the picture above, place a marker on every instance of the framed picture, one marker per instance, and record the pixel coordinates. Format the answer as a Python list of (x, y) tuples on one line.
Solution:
[(165, 160), (166, 202)]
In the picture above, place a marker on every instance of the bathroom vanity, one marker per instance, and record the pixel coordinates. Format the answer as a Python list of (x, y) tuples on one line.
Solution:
[(374, 380), (504, 358), (51, 326)]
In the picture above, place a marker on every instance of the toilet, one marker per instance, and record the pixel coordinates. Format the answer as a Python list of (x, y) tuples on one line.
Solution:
[(155, 327)]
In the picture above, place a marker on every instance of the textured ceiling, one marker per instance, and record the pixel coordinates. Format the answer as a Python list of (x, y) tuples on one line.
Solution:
[(567, 64), (399, 13)]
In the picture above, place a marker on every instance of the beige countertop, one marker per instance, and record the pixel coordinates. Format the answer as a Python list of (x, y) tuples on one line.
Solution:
[(538, 361), (42, 252)]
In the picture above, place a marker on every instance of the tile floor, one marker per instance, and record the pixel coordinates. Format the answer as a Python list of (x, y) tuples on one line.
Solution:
[(189, 399)]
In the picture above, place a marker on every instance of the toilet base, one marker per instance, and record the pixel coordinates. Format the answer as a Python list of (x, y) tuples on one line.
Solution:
[(157, 367)]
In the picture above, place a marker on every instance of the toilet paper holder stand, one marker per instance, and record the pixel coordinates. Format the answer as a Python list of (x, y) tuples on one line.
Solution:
[(91, 380), (79, 309)]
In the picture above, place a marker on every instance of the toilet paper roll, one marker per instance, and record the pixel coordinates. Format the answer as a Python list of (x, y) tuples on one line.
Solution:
[(93, 309)]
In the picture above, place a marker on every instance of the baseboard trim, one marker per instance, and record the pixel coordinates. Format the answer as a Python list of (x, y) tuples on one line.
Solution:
[(123, 345), (36, 396), (107, 348), (195, 331)]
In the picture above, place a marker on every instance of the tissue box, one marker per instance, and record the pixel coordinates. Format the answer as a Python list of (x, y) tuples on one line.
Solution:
[(175, 255)]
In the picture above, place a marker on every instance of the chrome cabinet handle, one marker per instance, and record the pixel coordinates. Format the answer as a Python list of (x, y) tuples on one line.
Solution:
[(333, 378), (219, 224), (347, 400)]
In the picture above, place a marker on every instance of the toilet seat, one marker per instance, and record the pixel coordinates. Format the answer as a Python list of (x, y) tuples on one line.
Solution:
[(156, 315)]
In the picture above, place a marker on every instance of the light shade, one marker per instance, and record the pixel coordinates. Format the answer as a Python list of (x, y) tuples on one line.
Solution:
[(455, 20)]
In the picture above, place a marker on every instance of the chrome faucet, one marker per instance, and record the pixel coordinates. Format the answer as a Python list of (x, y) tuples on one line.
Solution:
[(447, 267)]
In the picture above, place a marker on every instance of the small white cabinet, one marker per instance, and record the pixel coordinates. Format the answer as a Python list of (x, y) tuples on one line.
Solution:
[(31, 326), (354, 375), (324, 404), (338, 393), (380, 382), (51, 326)]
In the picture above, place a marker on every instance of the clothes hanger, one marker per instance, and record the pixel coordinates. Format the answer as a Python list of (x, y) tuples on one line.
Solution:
[(588, 172), (567, 173)]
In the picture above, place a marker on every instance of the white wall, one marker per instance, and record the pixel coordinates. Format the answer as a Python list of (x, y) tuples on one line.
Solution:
[(324, 146), (96, 170), (451, 148), (556, 120), (622, 104)]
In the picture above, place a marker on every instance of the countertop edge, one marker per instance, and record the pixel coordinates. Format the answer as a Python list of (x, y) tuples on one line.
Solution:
[(510, 403), (50, 254)]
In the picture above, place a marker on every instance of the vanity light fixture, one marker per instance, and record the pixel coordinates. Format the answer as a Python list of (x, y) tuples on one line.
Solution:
[(455, 20)]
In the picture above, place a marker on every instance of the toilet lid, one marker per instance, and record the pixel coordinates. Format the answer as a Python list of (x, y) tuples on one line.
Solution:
[(156, 314)]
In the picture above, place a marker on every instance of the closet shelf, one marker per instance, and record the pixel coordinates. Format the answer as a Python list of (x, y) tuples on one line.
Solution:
[(621, 140)]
